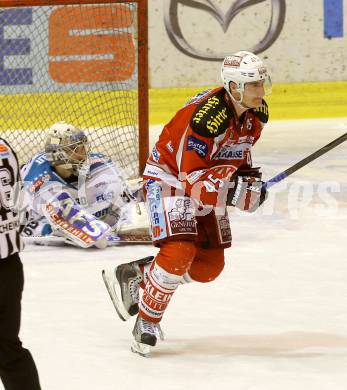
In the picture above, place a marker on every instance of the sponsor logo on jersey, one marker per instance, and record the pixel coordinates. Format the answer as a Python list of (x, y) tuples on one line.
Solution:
[(197, 145), (105, 196), (212, 102), (224, 228), (101, 184), (194, 176), (230, 154), (263, 108), (213, 124), (39, 182), (233, 152), (149, 183), (246, 139), (155, 209), (181, 217), (102, 213), (151, 173), (155, 154), (169, 147)]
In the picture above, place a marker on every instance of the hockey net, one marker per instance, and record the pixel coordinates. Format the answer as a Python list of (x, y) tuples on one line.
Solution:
[(81, 61)]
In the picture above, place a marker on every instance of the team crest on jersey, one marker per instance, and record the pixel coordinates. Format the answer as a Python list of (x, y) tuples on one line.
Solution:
[(197, 145)]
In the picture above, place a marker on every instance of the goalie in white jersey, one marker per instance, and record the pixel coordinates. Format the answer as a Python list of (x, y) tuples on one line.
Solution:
[(73, 192)]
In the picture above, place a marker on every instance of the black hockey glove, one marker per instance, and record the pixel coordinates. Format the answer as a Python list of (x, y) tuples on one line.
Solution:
[(247, 190)]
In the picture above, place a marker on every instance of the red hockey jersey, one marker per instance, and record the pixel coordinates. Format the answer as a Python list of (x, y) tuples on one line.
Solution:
[(204, 144)]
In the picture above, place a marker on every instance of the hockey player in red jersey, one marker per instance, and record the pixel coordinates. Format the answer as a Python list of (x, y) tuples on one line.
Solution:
[(200, 164)]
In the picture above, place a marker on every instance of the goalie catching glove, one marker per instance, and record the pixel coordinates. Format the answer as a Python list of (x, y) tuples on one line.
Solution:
[(247, 191)]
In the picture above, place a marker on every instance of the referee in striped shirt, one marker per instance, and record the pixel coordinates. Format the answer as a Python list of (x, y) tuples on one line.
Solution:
[(17, 367)]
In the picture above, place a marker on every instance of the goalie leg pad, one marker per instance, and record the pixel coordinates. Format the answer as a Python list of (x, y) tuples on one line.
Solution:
[(66, 215)]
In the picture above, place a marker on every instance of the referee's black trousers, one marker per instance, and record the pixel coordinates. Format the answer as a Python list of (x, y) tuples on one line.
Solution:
[(17, 367)]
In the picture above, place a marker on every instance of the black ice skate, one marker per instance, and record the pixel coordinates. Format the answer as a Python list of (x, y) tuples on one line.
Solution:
[(123, 284), (145, 336)]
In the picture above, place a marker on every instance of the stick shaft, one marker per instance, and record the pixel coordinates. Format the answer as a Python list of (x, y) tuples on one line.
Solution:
[(123, 239), (283, 175)]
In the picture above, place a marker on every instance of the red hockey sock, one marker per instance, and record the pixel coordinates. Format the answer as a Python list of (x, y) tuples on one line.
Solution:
[(159, 289), (165, 274)]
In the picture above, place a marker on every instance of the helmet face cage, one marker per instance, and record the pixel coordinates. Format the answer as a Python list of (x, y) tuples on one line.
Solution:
[(61, 146), (71, 152), (241, 68)]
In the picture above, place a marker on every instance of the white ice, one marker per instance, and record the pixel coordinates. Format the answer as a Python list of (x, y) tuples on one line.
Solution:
[(276, 319)]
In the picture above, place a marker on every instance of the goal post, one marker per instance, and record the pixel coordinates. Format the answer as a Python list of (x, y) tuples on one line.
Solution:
[(81, 61)]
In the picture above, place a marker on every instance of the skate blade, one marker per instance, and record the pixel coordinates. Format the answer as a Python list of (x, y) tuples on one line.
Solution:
[(110, 279), (141, 349)]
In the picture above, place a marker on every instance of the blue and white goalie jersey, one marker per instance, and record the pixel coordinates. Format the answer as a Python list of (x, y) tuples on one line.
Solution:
[(99, 189)]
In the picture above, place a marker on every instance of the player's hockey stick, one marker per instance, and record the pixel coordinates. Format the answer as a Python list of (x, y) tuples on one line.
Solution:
[(283, 175), (122, 239)]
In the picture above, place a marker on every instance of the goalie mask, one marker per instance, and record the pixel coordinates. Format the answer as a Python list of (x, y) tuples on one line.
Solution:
[(241, 68), (66, 146)]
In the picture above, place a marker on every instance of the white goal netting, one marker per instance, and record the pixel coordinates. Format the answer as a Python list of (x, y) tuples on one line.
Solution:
[(76, 63)]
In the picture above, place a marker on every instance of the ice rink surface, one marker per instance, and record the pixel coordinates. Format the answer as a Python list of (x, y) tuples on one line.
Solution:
[(276, 319)]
